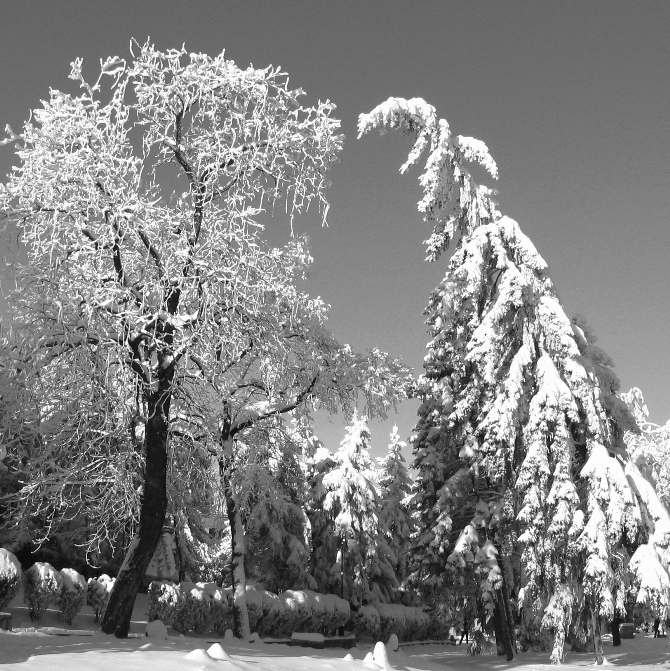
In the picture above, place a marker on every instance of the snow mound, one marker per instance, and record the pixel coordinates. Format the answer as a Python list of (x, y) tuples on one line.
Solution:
[(380, 655), (216, 651), (156, 629), (198, 655), (348, 657)]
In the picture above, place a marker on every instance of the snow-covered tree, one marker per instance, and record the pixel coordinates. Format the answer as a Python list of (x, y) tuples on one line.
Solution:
[(519, 443), (395, 520), (137, 207), (649, 449), (349, 498), (648, 473)]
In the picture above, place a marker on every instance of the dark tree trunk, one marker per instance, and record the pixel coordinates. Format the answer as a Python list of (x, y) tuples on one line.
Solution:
[(616, 637), (152, 515), (501, 626), (502, 623)]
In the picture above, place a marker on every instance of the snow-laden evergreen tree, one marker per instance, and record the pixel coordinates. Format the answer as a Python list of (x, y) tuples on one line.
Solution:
[(351, 500), (395, 520), (649, 476), (519, 443), (649, 449)]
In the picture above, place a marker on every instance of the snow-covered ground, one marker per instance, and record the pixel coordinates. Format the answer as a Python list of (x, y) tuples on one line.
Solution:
[(26, 649)]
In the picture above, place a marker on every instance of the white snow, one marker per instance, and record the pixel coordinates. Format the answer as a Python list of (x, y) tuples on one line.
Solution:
[(27, 649)]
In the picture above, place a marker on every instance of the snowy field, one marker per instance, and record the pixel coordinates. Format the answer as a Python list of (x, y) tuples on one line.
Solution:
[(26, 649)]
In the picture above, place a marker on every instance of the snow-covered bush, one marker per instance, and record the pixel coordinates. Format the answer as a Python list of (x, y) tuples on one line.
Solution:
[(391, 620), (418, 624), (10, 577), (292, 616), (164, 600), (366, 622), (97, 594), (341, 611), (254, 607), (71, 595), (193, 609), (191, 606), (41, 584), (323, 611), (273, 615), (303, 610), (221, 607)]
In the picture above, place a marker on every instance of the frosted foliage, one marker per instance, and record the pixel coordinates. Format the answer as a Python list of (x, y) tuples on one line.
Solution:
[(649, 446), (451, 199), (517, 397), (650, 577), (654, 514), (395, 522), (138, 204), (350, 498)]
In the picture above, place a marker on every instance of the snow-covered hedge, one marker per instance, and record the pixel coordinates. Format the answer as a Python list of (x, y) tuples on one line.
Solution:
[(191, 606), (164, 599), (193, 609), (366, 622), (383, 619), (205, 607), (97, 594), (71, 595), (41, 584), (314, 612), (10, 577), (220, 607)]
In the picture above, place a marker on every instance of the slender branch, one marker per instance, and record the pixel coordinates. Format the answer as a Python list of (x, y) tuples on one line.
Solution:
[(154, 253), (274, 410)]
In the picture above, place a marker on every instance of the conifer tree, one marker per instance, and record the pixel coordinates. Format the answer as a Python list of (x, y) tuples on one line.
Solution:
[(351, 501), (395, 521), (519, 442)]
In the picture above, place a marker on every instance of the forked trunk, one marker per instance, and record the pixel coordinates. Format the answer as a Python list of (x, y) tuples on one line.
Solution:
[(152, 516)]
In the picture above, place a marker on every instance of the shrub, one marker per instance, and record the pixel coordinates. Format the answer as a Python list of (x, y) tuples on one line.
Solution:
[(193, 609), (71, 595), (366, 622), (41, 584), (164, 599), (292, 615), (10, 577), (221, 607), (273, 614), (303, 610), (342, 611), (97, 594), (254, 607), (391, 620)]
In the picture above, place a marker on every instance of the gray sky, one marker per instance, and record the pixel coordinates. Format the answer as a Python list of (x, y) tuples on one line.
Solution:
[(572, 99)]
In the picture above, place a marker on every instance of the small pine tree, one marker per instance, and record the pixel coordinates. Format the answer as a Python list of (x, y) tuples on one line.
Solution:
[(395, 521), (352, 503)]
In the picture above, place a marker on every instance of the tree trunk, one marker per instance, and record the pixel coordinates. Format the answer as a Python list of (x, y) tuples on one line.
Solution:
[(616, 637), (240, 612), (501, 626), (152, 516), (597, 639)]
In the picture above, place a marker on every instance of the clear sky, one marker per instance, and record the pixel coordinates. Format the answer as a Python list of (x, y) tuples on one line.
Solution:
[(571, 97)]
